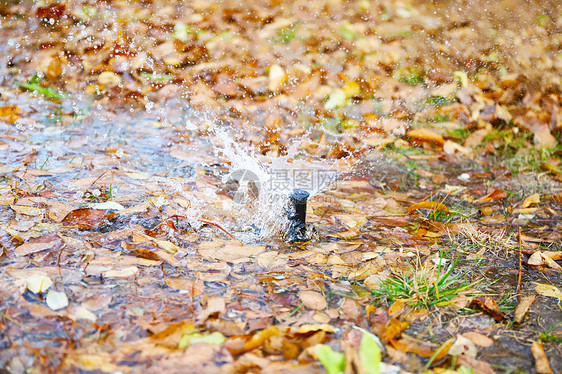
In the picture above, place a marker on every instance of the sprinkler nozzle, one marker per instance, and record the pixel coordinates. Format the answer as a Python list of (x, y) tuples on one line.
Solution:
[(297, 216)]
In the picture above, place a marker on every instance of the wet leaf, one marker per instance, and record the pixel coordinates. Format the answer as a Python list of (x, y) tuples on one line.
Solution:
[(541, 360), (333, 362), (313, 300), (85, 218), (490, 307), (549, 290), (27, 210), (212, 338), (522, 308), (38, 283), (30, 248), (436, 206), (56, 300), (370, 354), (425, 134)]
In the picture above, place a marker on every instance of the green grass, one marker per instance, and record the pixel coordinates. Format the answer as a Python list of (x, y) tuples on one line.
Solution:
[(410, 75), (34, 85), (424, 285), (286, 34), (550, 336)]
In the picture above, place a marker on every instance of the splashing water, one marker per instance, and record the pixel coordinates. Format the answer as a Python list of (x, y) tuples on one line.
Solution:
[(263, 185)]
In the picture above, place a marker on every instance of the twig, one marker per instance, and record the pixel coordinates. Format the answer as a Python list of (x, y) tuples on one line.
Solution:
[(97, 179), (217, 225), (520, 266)]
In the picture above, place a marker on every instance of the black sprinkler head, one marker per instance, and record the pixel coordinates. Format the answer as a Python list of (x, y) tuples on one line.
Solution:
[(297, 216)]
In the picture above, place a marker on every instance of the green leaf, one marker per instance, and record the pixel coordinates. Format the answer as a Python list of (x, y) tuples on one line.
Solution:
[(370, 354), (333, 362), (33, 85), (465, 370), (348, 34), (212, 338), (158, 77), (181, 31)]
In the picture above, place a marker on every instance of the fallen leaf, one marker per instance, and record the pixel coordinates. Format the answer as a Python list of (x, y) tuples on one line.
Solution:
[(313, 300), (478, 339), (38, 283), (231, 252), (27, 210), (85, 218), (277, 78), (522, 308), (215, 305), (438, 207), (492, 196), (548, 290), (533, 199), (489, 306), (540, 258), (56, 300), (427, 135), (541, 360), (29, 248), (194, 287), (81, 312), (463, 346), (121, 273), (333, 362), (395, 328)]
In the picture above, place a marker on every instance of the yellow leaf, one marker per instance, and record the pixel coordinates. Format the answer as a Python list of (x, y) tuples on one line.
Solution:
[(533, 199), (427, 135), (27, 210), (548, 290), (429, 205)]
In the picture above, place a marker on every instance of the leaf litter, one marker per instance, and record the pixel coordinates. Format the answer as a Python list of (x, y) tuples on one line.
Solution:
[(121, 245)]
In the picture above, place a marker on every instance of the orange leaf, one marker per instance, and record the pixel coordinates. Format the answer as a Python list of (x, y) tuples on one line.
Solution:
[(492, 196), (426, 135), (438, 207), (394, 329), (85, 218)]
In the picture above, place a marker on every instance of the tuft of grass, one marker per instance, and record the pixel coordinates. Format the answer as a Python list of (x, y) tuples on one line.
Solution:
[(286, 34), (550, 335), (34, 85), (425, 285), (410, 75)]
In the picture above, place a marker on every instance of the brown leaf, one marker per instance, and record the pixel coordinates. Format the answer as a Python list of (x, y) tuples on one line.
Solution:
[(476, 365), (313, 300), (229, 251), (194, 287), (427, 135), (215, 305), (541, 360), (489, 306), (522, 308), (478, 339), (492, 196), (438, 207), (29, 248), (533, 199), (476, 138), (394, 329), (85, 218)]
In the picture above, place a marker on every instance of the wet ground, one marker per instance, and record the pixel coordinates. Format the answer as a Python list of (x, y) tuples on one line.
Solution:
[(115, 192), (57, 160)]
